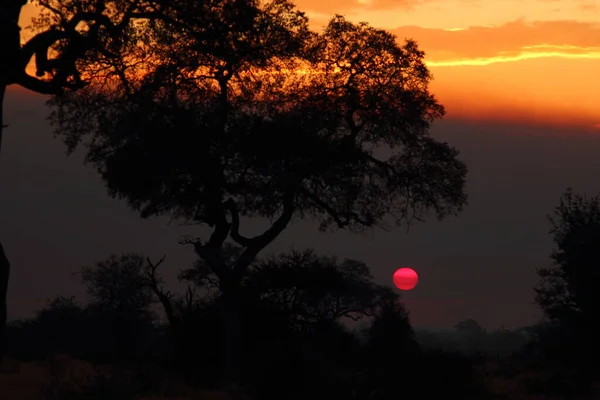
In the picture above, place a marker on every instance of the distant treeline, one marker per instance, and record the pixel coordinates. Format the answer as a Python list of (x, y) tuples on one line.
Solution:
[(469, 338)]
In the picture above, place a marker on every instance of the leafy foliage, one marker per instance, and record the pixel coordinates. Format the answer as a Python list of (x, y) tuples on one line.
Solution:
[(313, 289), (272, 114), (567, 289), (118, 283)]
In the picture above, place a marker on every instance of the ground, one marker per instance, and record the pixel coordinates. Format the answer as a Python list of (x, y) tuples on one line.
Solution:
[(55, 378)]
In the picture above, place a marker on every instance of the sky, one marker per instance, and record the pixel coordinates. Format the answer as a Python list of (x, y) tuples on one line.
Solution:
[(519, 82)]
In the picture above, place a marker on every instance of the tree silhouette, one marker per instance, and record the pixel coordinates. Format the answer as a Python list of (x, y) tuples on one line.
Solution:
[(295, 312), (121, 301), (118, 283), (65, 33), (62, 327), (310, 289), (235, 109), (472, 334), (390, 350), (289, 300), (567, 291), (60, 322)]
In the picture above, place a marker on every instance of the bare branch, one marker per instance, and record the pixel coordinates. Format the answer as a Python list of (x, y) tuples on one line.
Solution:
[(157, 286), (37, 85)]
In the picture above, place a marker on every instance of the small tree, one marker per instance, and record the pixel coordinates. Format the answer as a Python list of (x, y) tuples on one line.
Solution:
[(235, 109), (471, 336), (568, 289), (299, 304), (121, 300), (391, 350), (289, 300), (310, 289), (119, 283), (390, 331)]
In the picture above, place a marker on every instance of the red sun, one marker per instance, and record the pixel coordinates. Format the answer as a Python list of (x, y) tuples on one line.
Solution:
[(405, 279)]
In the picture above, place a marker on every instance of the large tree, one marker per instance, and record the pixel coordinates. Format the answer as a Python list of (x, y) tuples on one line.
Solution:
[(65, 33), (232, 109)]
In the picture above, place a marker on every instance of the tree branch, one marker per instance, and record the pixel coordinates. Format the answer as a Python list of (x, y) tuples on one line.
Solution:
[(157, 286), (37, 85), (221, 231), (40, 43), (208, 254), (258, 243)]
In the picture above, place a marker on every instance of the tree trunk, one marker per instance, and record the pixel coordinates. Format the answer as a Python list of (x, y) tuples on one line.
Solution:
[(10, 63), (4, 264), (231, 320), (233, 351), (4, 273)]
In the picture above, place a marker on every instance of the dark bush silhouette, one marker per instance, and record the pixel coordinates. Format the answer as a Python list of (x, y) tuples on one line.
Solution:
[(305, 301), (117, 325), (566, 291), (120, 305), (293, 318), (296, 344), (60, 328)]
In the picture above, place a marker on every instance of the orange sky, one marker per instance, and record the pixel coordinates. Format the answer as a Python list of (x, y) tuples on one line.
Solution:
[(527, 60)]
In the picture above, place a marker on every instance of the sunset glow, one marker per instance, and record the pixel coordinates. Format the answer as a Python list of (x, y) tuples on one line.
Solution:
[(532, 61), (526, 60)]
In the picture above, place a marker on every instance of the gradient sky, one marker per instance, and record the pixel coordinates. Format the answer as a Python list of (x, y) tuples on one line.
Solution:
[(519, 81)]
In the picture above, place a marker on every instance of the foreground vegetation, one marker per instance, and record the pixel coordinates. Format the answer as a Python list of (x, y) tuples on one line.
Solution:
[(297, 341)]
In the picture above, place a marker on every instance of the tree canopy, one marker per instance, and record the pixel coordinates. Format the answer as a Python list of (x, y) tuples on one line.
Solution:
[(118, 282), (265, 119), (303, 287), (214, 111)]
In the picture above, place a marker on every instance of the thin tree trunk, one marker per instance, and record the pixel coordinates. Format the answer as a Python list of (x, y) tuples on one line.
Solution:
[(4, 264), (4, 274), (10, 65), (232, 332)]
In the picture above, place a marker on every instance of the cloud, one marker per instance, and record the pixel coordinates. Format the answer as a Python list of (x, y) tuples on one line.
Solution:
[(588, 7), (543, 71), (510, 42), (330, 7)]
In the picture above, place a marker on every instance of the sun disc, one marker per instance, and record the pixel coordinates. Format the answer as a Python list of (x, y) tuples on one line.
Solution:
[(405, 278)]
